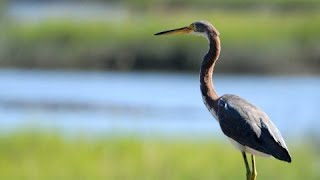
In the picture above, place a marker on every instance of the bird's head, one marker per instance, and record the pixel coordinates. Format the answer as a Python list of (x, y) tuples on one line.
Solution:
[(202, 28)]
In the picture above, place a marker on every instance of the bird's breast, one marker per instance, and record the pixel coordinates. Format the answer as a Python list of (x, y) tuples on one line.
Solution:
[(210, 108)]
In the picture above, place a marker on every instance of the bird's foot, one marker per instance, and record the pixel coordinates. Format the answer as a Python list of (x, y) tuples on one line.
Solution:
[(251, 175), (254, 176)]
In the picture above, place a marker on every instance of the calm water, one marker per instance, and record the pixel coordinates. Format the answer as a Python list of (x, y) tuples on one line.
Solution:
[(146, 103), (38, 11)]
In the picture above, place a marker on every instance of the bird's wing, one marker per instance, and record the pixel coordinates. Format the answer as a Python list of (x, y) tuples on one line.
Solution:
[(250, 126)]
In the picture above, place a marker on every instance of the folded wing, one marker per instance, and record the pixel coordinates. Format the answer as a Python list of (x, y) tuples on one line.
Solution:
[(251, 127)]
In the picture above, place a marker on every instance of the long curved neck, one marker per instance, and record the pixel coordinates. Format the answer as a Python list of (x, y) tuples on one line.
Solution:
[(206, 84)]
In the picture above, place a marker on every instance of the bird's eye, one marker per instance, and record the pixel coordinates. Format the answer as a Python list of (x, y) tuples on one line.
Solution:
[(192, 26)]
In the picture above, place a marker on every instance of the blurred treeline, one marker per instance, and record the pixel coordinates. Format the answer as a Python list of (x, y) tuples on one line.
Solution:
[(274, 37)]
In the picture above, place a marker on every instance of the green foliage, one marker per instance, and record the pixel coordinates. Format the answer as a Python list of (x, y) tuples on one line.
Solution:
[(225, 4), (250, 26), (258, 40), (51, 156)]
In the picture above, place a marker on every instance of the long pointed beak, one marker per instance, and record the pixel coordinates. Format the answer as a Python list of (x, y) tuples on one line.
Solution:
[(183, 30)]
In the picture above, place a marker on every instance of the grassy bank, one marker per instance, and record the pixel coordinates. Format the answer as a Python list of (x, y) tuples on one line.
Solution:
[(252, 42), (51, 156)]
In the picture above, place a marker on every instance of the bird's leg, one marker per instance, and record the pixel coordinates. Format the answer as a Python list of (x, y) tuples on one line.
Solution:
[(247, 166), (254, 169)]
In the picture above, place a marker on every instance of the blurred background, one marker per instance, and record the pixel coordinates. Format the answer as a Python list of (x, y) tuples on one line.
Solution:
[(87, 91)]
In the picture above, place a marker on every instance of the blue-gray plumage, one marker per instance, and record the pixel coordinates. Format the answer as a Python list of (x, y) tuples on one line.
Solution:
[(250, 126), (247, 127)]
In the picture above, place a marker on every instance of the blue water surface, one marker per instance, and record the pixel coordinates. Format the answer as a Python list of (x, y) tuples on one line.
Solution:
[(145, 104)]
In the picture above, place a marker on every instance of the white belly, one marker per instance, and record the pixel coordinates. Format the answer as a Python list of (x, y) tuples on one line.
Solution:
[(248, 149)]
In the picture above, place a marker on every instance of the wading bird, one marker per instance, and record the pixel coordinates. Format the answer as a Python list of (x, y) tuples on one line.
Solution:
[(247, 127)]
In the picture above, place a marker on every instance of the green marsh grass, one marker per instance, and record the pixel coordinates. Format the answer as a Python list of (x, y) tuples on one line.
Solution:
[(254, 27), (258, 40), (53, 156)]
